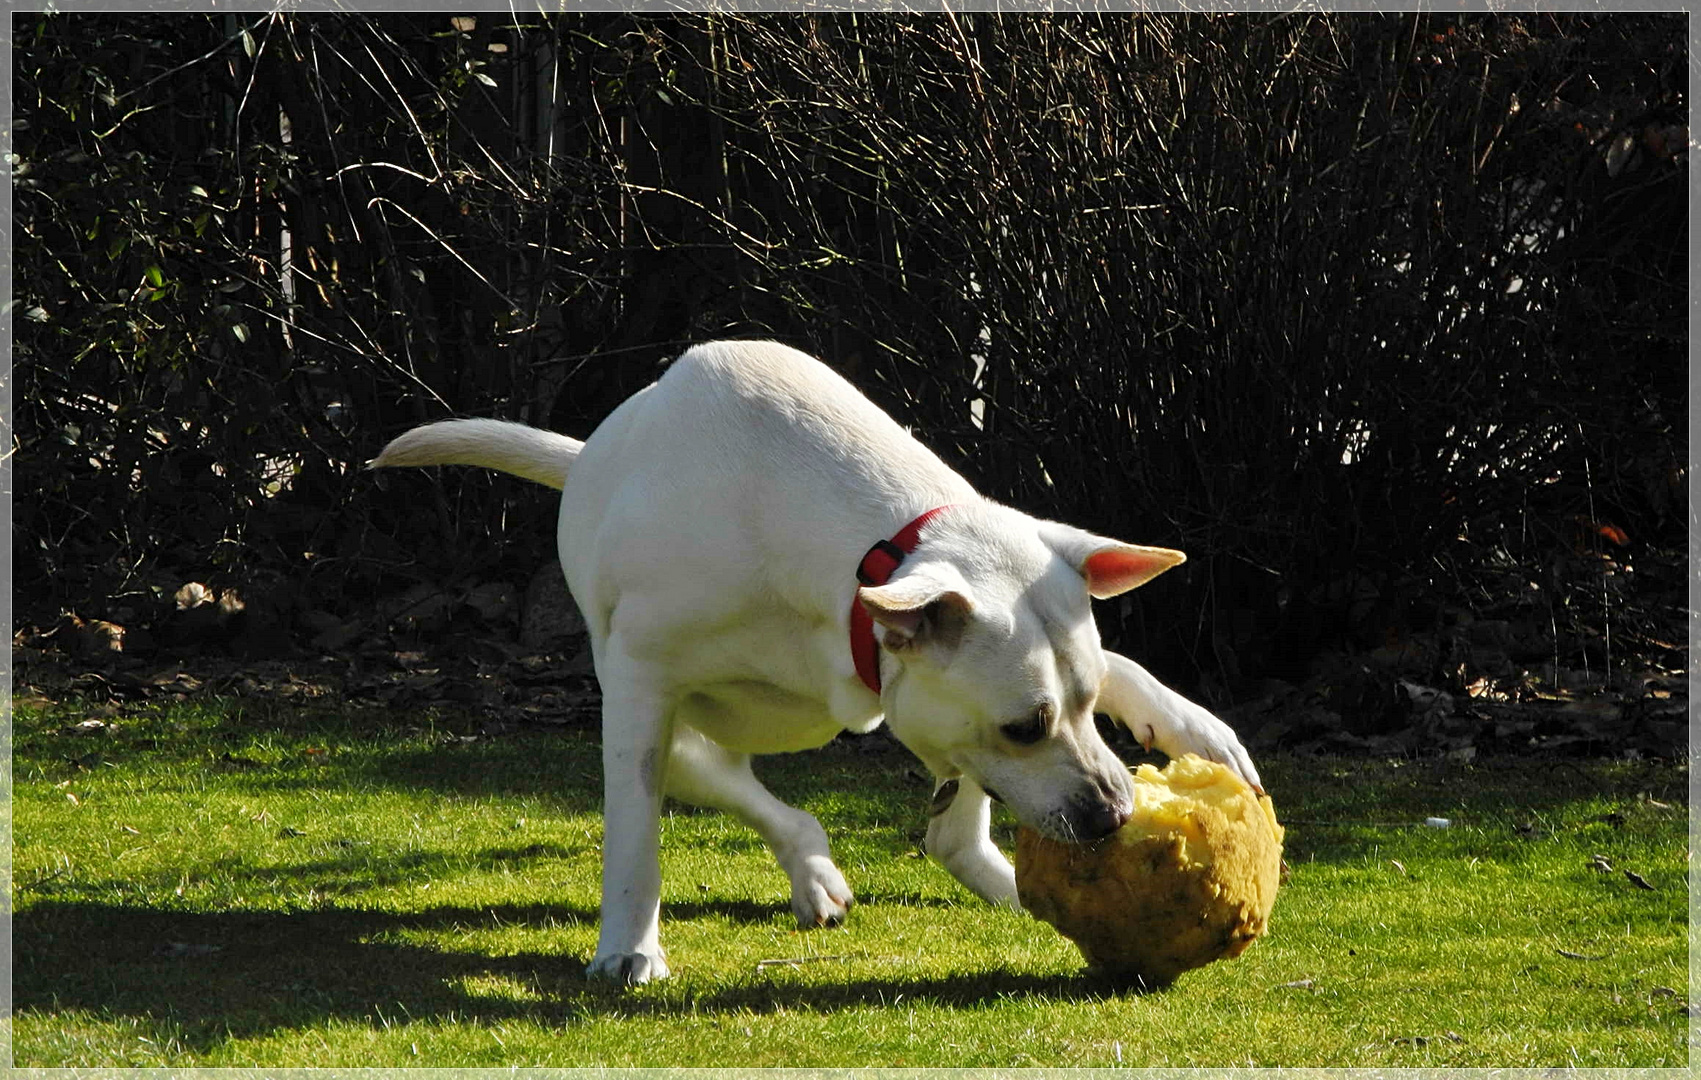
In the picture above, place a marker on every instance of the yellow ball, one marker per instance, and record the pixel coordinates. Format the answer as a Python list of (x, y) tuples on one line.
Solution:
[(1189, 879)]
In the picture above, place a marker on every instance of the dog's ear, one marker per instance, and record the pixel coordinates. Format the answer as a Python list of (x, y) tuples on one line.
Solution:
[(918, 608), (1110, 566)]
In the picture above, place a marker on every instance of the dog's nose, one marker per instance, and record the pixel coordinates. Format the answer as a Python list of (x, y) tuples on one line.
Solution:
[(1101, 817), (1107, 808)]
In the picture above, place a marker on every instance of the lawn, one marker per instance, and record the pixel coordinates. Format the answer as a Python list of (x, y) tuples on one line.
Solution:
[(236, 883)]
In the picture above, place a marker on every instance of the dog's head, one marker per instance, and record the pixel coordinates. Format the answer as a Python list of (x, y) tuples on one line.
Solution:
[(999, 662)]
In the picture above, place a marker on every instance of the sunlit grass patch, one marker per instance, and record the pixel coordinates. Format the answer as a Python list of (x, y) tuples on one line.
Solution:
[(208, 886)]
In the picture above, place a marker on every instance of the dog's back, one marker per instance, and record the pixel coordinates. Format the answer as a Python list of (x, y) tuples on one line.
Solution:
[(734, 406)]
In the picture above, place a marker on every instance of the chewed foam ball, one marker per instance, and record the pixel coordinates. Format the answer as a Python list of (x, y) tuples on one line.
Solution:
[(1189, 879)]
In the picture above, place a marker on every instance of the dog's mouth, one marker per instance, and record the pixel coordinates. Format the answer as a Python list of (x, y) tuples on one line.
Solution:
[(1086, 819), (1083, 821)]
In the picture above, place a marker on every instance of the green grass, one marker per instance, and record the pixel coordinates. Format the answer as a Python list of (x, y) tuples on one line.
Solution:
[(231, 884)]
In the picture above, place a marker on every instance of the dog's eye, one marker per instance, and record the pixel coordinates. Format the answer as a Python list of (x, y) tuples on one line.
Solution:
[(1028, 731)]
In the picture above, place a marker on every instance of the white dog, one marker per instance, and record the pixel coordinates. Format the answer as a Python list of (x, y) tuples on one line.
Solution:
[(716, 530)]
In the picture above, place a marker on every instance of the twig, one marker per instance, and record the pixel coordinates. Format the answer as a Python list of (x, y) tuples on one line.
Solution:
[(31, 886), (208, 55), (798, 961), (1358, 824)]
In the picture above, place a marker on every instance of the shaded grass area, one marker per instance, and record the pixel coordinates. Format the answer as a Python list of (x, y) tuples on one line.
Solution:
[(225, 884)]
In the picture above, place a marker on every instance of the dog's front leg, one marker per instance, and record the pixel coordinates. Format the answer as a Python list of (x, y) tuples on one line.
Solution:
[(1158, 716), (959, 837), (635, 743)]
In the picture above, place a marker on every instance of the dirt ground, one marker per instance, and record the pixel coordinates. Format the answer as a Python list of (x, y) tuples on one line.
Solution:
[(494, 657)]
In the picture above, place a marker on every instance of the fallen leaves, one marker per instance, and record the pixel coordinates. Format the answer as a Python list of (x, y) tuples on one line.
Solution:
[(1379, 712), (1509, 674)]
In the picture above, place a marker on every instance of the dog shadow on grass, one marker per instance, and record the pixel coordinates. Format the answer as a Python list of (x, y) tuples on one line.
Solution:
[(204, 979)]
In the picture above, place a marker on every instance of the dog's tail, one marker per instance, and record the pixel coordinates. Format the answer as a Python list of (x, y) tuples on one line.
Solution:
[(526, 452)]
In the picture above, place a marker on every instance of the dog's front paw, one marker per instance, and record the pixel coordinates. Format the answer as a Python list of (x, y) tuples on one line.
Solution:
[(628, 969), (1195, 730), (819, 895)]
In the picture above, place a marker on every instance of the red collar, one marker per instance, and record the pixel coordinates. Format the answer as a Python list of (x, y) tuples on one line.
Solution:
[(876, 568)]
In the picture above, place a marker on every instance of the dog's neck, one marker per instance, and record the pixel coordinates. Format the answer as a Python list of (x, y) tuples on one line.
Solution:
[(876, 568)]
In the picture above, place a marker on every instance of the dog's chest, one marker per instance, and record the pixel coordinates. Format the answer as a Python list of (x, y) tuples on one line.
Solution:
[(762, 678), (758, 717)]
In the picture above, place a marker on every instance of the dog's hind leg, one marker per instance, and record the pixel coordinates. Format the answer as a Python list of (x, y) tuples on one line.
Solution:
[(703, 773), (635, 742), (959, 837)]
